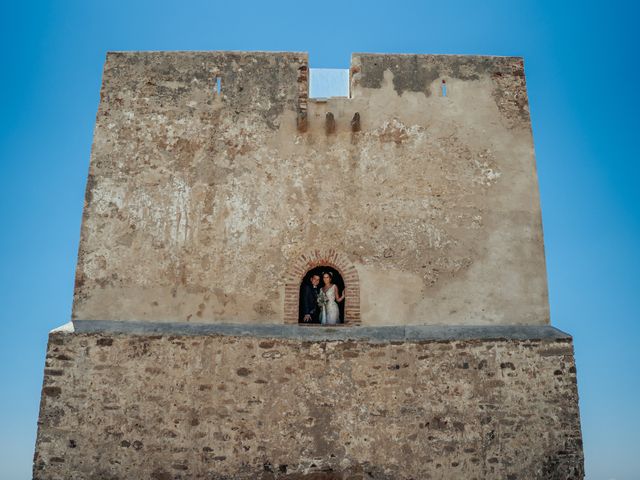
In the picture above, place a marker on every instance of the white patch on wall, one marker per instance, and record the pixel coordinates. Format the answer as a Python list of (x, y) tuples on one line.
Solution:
[(169, 213), (328, 82)]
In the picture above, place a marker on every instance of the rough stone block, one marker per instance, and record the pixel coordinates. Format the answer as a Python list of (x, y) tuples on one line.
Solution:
[(168, 406)]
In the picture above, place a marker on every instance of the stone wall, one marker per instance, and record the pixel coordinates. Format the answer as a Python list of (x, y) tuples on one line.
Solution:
[(414, 403), (200, 204), (204, 210)]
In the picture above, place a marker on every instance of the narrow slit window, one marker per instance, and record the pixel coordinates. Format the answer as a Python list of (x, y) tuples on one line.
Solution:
[(218, 86), (444, 88)]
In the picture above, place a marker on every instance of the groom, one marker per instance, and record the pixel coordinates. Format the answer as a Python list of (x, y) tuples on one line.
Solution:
[(310, 310)]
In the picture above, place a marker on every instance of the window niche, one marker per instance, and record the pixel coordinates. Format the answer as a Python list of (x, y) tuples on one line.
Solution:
[(310, 309), (345, 277)]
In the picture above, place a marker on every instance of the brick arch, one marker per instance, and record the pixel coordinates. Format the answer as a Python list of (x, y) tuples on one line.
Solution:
[(313, 259)]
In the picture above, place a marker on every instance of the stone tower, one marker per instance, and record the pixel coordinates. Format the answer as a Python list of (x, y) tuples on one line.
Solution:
[(217, 187)]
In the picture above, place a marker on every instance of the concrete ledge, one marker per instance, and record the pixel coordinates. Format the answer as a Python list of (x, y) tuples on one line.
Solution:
[(309, 333)]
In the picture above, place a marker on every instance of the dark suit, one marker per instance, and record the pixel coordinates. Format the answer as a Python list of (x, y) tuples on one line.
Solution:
[(309, 303)]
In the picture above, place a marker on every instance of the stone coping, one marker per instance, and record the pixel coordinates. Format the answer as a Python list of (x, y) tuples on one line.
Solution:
[(322, 333)]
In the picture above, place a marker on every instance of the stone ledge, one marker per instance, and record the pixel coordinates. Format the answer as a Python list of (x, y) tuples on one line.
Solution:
[(319, 333)]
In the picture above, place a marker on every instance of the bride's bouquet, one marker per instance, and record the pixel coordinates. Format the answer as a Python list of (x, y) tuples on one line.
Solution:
[(322, 299)]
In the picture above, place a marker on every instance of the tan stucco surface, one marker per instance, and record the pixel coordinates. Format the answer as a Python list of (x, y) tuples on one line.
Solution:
[(199, 204)]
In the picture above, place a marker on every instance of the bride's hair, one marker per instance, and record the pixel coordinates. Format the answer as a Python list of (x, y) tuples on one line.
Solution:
[(328, 273)]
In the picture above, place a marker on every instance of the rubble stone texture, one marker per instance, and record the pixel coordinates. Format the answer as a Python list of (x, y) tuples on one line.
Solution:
[(225, 407), (215, 184)]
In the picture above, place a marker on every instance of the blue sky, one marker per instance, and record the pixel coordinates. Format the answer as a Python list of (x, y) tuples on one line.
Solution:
[(581, 60)]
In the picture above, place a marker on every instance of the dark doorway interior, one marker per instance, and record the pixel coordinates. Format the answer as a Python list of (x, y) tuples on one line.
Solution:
[(337, 279)]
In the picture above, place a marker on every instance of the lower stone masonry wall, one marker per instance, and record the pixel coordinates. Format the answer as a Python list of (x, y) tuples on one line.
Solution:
[(161, 407)]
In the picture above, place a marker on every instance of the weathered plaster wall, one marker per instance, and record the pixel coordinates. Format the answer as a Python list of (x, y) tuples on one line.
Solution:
[(161, 407), (199, 205)]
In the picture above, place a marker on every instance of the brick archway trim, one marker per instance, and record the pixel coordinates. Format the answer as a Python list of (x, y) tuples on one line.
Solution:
[(313, 259)]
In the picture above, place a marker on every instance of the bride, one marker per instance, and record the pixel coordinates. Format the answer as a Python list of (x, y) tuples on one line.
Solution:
[(330, 314)]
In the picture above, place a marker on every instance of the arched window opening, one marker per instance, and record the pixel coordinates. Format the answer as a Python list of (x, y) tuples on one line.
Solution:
[(324, 260), (311, 310)]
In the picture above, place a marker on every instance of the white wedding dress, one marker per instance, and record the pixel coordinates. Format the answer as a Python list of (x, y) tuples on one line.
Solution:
[(331, 312)]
